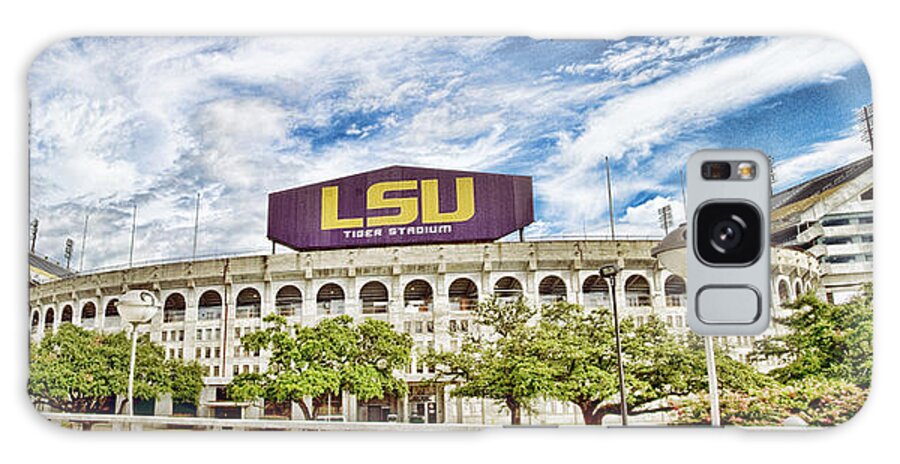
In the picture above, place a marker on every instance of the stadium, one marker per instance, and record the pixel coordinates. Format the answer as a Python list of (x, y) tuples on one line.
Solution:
[(425, 281)]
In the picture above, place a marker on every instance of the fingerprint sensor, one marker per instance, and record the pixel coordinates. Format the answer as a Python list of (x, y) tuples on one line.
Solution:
[(728, 304)]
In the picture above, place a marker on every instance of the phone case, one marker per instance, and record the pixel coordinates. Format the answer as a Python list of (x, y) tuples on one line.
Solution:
[(442, 233)]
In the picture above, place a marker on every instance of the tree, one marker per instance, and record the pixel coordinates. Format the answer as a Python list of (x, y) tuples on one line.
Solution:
[(333, 356), (818, 402), (823, 341), (77, 370), (658, 364), (505, 366)]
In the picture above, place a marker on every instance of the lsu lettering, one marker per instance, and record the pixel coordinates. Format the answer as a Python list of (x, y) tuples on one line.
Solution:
[(407, 207)]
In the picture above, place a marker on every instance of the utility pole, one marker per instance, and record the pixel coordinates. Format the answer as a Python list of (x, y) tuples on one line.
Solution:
[(196, 227), (133, 227), (610, 273), (83, 240)]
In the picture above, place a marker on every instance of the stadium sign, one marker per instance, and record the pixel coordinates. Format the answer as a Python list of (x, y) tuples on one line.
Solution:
[(400, 205)]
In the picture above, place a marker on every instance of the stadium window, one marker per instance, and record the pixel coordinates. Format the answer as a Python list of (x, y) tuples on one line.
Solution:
[(463, 295), (330, 299), (88, 313), (288, 301), (67, 314), (373, 298), (418, 296), (209, 307), (249, 304), (174, 308), (508, 289), (676, 291), (552, 289), (595, 292), (111, 314)]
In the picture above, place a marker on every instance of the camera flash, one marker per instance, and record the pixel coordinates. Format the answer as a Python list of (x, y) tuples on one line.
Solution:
[(746, 171)]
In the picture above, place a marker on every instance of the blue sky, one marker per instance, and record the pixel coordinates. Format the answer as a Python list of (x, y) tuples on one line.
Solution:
[(153, 121)]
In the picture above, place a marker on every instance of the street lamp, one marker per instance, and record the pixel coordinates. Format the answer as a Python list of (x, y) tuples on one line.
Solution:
[(610, 272), (135, 307), (672, 254)]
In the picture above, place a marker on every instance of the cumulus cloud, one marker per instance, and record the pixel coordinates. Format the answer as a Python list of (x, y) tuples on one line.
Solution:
[(634, 125), (820, 157), (154, 121)]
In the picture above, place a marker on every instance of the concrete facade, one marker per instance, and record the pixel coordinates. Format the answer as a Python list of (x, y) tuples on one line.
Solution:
[(386, 283)]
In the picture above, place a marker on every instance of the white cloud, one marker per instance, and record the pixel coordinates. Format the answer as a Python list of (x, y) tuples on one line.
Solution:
[(634, 124), (155, 120), (821, 157), (643, 219)]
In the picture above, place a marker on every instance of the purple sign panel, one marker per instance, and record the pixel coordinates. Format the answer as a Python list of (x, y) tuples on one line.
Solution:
[(400, 205)]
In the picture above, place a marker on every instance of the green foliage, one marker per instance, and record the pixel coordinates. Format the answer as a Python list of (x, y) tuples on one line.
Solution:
[(333, 356), (77, 370), (823, 341), (569, 354), (657, 363), (506, 366), (818, 402)]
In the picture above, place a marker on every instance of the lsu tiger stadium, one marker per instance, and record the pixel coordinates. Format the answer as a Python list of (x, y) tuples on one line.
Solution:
[(420, 249)]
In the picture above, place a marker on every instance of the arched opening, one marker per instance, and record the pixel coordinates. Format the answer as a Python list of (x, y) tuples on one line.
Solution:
[(373, 297), (35, 321), (111, 314), (288, 301), (248, 304), (330, 299), (508, 289), (88, 314), (49, 318), (552, 289), (463, 295), (595, 292), (174, 308), (209, 307), (66, 314), (798, 289), (418, 296), (637, 292), (676, 291), (784, 292)]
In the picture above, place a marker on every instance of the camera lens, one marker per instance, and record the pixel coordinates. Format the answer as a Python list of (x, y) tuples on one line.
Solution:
[(728, 233)]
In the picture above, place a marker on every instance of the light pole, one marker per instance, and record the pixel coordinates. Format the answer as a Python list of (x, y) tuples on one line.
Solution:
[(610, 272), (136, 307), (672, 255)]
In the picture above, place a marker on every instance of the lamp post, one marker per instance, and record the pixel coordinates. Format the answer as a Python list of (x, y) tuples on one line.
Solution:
[(672, 254), (610, 272), (136, 307)]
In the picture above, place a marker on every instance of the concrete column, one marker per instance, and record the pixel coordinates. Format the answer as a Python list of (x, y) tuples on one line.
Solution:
[(309, 302), (349, 404), (163, 406), (403, 412)]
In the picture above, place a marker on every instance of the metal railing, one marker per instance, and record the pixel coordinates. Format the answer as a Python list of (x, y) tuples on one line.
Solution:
[(265, 251), (124, 422)]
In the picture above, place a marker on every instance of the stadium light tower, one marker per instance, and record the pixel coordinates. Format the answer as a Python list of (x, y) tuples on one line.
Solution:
[(136, 307)]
